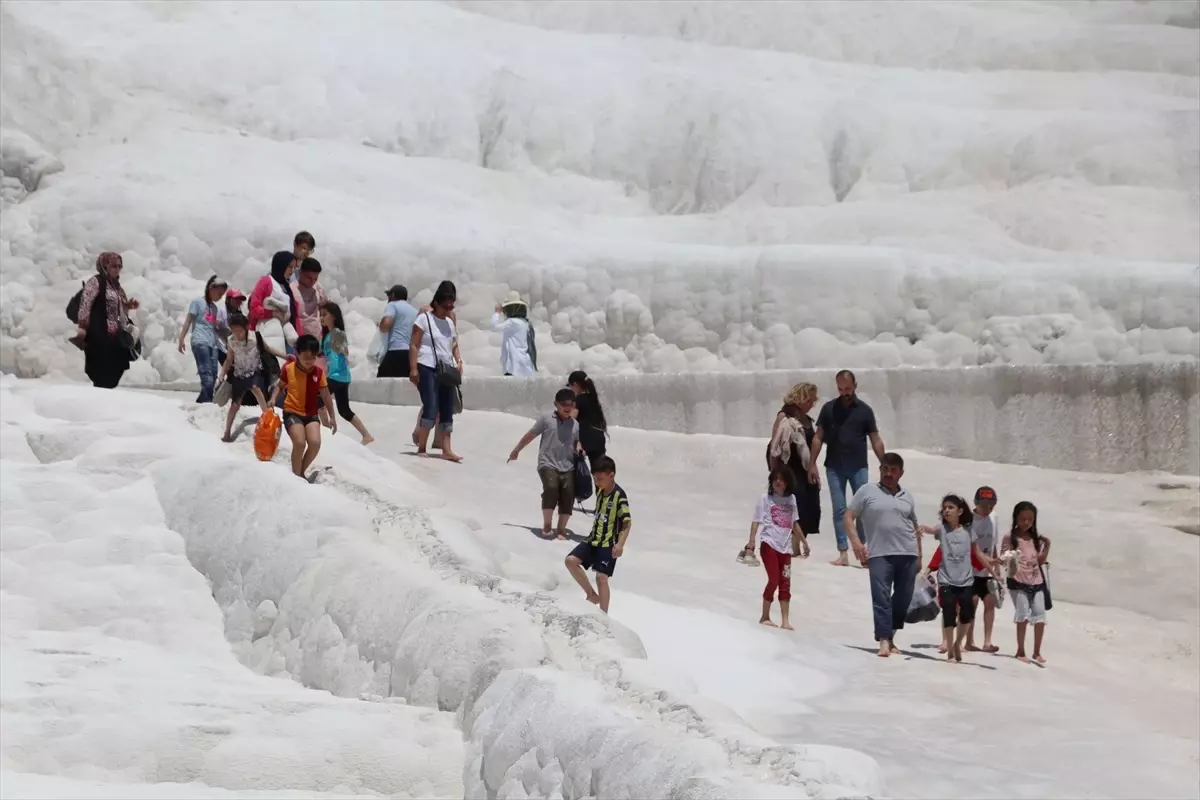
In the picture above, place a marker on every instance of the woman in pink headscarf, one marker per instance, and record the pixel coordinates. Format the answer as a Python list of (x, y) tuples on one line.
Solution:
[(103, 330)]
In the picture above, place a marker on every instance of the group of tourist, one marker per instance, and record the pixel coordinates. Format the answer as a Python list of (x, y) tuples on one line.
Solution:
[(267, 330), (574, 433), (879, 524), (290, 349), (290, 342)]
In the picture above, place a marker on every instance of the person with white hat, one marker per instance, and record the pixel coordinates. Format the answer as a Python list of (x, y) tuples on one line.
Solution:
[(518, 353)]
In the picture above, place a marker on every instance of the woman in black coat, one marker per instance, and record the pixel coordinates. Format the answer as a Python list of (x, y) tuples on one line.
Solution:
[(593, 428)]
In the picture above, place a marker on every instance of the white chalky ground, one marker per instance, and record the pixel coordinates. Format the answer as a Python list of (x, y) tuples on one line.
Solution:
[(116, 672)]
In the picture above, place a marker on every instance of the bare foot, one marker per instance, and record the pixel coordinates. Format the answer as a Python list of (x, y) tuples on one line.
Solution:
[(972, 649), (841, 561), (894, 650), (787, 626), (593, 598), (991, 648), (1039, 659), (1022, 658), (949, 655), (367, 440), (423, 453), (768, 623), (942, 648), (559, 537), (227, 438), (451, 457), (883, 650), (958, 654)]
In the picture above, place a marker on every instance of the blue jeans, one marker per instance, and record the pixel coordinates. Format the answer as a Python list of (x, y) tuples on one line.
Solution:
[(437, 402), (206, 368), (892, 582), (837, 494)]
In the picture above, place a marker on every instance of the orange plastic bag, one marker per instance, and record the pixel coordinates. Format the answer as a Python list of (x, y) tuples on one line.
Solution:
[(266, 435)]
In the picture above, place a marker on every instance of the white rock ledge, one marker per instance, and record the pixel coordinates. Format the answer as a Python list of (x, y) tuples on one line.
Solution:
[(1092, 417)]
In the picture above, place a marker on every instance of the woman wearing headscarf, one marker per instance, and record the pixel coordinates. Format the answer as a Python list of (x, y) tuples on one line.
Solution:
[(272, 297), (518, 354), (103, 329)]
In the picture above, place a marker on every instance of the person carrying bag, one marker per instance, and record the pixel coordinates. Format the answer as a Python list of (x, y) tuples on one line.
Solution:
[(435, 368)]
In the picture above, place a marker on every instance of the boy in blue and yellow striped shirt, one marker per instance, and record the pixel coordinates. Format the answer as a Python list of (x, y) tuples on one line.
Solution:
[(610, 531)]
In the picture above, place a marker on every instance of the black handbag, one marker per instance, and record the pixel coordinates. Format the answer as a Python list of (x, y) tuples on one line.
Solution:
[(1046, 588), (125, 339), (446, 374)]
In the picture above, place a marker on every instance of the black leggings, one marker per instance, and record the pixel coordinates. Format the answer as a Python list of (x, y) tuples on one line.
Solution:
[(341, 396)]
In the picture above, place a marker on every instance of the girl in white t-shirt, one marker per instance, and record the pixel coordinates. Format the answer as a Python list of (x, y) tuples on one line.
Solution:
[(435, 341), (776, 522)]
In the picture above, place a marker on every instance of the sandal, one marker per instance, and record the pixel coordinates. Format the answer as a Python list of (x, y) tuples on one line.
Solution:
[(747, 557)]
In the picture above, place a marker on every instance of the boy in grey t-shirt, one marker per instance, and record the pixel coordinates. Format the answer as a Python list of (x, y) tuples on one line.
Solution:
[(983, 528), (557, 451)]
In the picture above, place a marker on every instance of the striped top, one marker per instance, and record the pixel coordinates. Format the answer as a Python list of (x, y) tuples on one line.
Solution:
[(301, 389), (612, 515)]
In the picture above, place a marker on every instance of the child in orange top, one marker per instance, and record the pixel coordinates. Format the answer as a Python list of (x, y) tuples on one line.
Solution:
[(302, 381)]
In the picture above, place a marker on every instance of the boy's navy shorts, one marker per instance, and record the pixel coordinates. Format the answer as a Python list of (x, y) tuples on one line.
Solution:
[(596, 558)]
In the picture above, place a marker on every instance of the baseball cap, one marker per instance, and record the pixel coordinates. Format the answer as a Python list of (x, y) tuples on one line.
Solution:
[(985, 494), (234, 294)]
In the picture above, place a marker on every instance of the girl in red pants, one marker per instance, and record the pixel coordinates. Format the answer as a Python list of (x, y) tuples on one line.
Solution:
[(776, 523)]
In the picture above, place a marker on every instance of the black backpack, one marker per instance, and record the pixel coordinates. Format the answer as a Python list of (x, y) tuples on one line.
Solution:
[(73, 304)]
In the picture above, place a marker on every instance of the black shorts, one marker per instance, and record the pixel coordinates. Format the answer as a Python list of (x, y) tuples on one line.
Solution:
[(290, 419), (596, 558), (394, 365), (958, 606), (980, 589)]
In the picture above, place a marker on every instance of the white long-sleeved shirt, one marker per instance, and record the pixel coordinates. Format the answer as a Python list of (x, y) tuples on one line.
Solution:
[(514, 346)]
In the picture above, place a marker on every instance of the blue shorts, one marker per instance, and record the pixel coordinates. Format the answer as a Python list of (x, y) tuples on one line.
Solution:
[(596, 558)]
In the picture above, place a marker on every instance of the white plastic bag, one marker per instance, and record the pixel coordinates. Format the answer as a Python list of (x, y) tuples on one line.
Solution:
[(274, 334), (378, 348), (924, 605)]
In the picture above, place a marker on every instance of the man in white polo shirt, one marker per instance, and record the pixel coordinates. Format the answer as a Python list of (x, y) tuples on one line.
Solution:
[(892, 550)]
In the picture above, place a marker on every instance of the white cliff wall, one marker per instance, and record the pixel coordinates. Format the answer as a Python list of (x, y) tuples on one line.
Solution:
[(1096, 418)]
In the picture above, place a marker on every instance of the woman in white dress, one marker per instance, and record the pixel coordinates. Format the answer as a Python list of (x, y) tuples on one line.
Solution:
[(518, 353)]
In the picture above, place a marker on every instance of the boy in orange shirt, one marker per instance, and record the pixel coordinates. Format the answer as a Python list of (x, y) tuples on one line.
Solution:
[(302, 381)]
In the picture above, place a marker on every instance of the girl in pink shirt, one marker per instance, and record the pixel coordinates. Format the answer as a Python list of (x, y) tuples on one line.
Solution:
[(1026, 552)]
